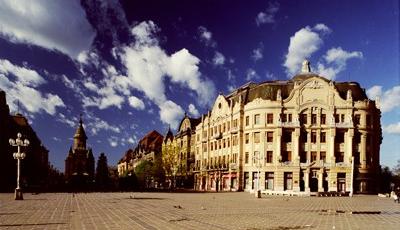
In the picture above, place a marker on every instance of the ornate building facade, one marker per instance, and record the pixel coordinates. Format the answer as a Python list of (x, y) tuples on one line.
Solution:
[(178, 153), (35, 167), (148, 148), (79, 164), (307, 134)]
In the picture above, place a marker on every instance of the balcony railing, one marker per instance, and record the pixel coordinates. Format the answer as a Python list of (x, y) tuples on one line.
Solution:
[(345, 124), (234, 129), (289, 124)]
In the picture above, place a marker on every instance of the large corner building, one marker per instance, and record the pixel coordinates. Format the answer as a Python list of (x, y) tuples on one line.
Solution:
[(306, 134)]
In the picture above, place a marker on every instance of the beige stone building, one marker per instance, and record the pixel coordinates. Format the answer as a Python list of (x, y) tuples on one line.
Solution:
[(178, 153), (306, 134)]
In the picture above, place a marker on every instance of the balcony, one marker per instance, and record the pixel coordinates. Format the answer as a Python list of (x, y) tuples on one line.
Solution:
[(289, 124), (346, 124), (217, 135), (234, 129)]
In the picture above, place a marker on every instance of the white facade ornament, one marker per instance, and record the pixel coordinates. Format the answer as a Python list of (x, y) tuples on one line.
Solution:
[(306, 67), (278, 95)]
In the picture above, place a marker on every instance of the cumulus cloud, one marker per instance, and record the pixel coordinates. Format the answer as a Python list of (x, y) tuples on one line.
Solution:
[(302, 45), (336, 61), (136, 103), (113, 141), (171, 113), (192, 110), (58, 25), (388, 100), (322, 27), (147, 66), (21, 85), (267, 16), (392, 128), (219, 59)]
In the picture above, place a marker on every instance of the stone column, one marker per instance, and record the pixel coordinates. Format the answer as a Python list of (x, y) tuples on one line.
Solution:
[(307, 180), (309, 147), (278, 147), (331, 152), (321, 180), (296, 148), (349, 145), (363, 152)]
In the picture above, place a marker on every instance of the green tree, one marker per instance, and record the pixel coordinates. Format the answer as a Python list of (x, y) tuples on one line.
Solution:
[(144, 172)]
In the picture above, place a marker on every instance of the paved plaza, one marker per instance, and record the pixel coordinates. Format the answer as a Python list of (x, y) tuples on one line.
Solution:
[(195, 211)]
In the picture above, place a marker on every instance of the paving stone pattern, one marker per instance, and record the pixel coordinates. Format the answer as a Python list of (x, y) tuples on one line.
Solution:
[(195, 211)]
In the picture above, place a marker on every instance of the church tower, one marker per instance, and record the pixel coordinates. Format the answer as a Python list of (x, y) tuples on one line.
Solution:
[(79, 165)]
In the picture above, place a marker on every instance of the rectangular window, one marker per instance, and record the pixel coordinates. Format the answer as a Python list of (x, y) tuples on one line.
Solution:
[(246, 138), (342, 118), (229, 142), (246, 158), (339, 138), (286, 156), (303, 118), (269, 180), (254, 180), (235, 123), (313, 137), (247, 120), (246, 180), (257, 137), (235, 140), (322, 156), (323, 137), (357, 119), (337, 118), (339, 157), (288, 177), (270, 118), (323, 119), (313, 156), (287, 136), (283, 117), (256, 156), (229, 125), (224, 143), (314, 119), (269, 156), (289, 117), (303, 157), (270, 136), (356, 158), (303, 136), (257, 119)]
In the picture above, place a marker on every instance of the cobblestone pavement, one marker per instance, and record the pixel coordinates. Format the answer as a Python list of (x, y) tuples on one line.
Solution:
[(195, 211)]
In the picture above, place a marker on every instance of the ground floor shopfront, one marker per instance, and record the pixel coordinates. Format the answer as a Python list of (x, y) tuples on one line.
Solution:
[(285, 178)]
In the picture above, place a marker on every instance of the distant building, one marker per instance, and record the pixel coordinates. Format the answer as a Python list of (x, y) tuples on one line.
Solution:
[(79, 164), (148, 148), (178, 153), (300, 135), (35, 166)]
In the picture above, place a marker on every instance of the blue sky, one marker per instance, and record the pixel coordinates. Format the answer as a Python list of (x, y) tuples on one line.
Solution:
[(131, 66)]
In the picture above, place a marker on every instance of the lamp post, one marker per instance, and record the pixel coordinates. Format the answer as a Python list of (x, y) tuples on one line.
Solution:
[(19, 156)]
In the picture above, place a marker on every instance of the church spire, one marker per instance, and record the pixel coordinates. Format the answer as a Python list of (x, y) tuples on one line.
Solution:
[(80, 136)]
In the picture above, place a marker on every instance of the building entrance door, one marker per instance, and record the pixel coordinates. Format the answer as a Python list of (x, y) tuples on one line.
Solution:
[(313, 184), (341, 185)]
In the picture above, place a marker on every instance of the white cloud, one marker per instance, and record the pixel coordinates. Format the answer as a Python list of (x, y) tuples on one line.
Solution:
[(147, 65), (96, 124), (171, 113), (113, 141), (322, 27), (388, 100), (392, 128), (339, 56), (267, 16), (71, 122), (219, 59), (337, 59), (302, 44), (257, 54), (59, 25), (136, 103), (23, 89), (193, 111), (206, 36), (24, 75), (144, 33), (251, 74)]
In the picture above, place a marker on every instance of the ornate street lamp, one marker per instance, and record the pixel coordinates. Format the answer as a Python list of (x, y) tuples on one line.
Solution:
[(19, 156)]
